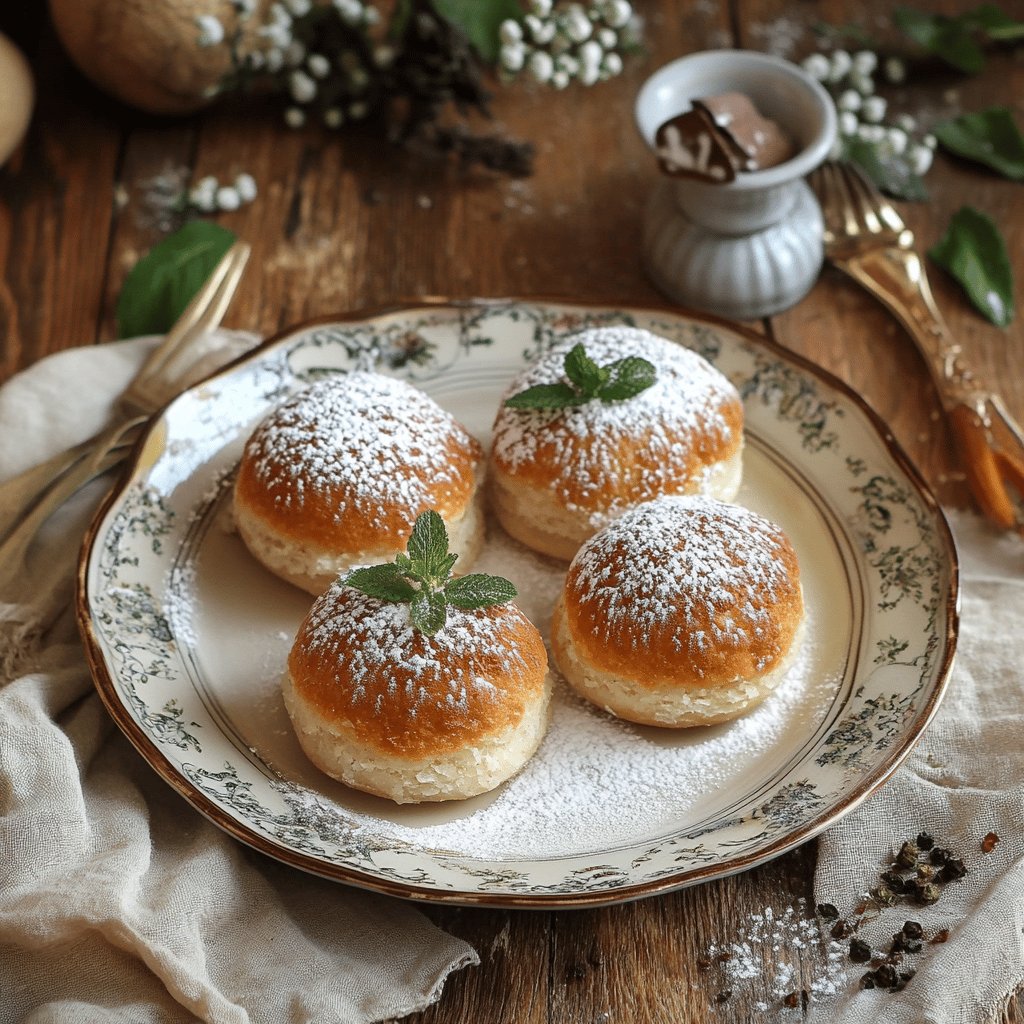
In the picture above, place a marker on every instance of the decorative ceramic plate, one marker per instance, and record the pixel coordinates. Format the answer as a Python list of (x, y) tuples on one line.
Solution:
[(188, 635)]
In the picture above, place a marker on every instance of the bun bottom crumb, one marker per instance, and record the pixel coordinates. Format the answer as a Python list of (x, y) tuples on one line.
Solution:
[(672, 707), (534, 517), (314, 568), (337, 751)]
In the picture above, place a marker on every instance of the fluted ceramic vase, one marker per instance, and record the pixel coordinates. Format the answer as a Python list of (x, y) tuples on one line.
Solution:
[(753, 246)]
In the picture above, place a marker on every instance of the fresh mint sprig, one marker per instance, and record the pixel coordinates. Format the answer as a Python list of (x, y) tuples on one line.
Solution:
[(613, 382), (422, 578)]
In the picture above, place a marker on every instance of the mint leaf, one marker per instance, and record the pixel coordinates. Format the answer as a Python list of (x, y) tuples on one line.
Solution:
[(893, 175), (628, 377), (478, 590), (990, 137), (583, 371), (428, 611), (546, 396), (428, 543), (382, 581), (973, 251), (479, 20), (160, 286)]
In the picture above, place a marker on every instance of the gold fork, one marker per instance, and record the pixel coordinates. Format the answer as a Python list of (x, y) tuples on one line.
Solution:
[(866, 238), (30, 498)]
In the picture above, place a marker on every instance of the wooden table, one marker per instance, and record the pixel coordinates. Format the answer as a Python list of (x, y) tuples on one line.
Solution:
[(342, 223)]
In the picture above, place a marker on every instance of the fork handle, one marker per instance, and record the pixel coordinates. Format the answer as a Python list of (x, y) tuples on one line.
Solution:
[(990, 443)]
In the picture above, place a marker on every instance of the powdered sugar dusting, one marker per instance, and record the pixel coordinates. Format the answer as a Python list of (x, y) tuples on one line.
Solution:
[(361, 439), (679, 413), (707, 572)]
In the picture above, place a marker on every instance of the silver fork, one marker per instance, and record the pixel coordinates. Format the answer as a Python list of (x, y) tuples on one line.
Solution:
[(866, 238), (30, 498)]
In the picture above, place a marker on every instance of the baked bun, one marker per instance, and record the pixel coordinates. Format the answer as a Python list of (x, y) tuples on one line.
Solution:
[(391, 711), (558, 475), (685, 611), (336, 476)]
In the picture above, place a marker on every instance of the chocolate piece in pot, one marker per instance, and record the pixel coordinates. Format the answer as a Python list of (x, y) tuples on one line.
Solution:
[(755, 141), (690, 146)]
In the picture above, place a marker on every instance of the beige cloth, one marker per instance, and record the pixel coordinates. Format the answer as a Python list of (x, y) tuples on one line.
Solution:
[(964, 779), (118, 902)]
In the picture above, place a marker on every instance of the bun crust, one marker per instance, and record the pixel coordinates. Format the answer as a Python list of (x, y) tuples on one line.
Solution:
[(683, 611), (559, 475), (337, 475), (389, 710)]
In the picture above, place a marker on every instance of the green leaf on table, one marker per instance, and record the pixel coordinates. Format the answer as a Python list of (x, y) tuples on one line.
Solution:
[(955, 39), (891, 173), (421, 578), (160, 286), (973, 251), (990, 137), (479, 21)]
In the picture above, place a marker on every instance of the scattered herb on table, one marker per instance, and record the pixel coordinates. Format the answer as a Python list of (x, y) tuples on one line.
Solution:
[(973, 251), (422, 578), (990, 137), (160, 286)]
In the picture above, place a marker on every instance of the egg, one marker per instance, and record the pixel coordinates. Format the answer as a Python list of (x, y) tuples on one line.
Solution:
[(18, 92)]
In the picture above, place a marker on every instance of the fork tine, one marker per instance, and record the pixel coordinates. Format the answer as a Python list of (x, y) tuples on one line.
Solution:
[(862, 198), (871, 199)]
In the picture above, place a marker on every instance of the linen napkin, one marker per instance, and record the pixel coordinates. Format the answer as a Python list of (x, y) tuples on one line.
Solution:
[(963, 780), (118, 902)]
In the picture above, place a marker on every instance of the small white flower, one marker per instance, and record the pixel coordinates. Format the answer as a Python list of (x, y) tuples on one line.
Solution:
[(576, 24), (839, 65), (295, 53), (301, 86), (547, 31), (510, 31), (384, 55), (245, 186), (591, 54), (333, 117), (920, 159), (541, 8), (896, 139), (907, 122), (351, 11), (607, 37), (865, 62), (864, 84), (617, 12), (512, 56), (817, 66), (294, 118), (873, 133), (589, 73), (929, 141), (280, 15), (275, 60), (278, 36), (358, 110), (873, 109), (207, 184), (205, 201), (228, 198), (541, 66), (299, 8), (849, 100), (559, 79), (848, 123), (211, 31), (895, 70), (319, 66), (568, 63), (611, 65), (255, 60)]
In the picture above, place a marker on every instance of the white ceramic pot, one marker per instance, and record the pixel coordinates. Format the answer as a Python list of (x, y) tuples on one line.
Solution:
[(753, 246)]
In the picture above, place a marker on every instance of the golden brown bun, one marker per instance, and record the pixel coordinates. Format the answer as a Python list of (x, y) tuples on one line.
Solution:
[(557, 476), (682, 612), (337, 475), (391, 711)]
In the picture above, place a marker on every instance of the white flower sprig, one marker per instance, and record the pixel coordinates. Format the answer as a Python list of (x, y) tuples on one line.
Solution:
[(849, 78), (208, 195), (557, 43)]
